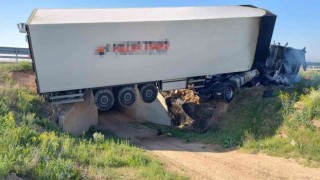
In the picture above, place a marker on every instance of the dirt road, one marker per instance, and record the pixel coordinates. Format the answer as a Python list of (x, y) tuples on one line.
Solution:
[(200, 161)]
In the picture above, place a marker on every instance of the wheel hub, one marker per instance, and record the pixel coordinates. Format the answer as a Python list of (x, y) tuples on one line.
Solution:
[(104, 100), (127, 97), (149, 93)]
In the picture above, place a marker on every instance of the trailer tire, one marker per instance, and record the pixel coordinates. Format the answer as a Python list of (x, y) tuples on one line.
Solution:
[(148, 92), (126, 96), (227, 91), (104, 99)]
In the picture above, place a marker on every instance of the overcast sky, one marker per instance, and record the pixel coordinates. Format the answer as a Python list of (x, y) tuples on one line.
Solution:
[(298, 21)]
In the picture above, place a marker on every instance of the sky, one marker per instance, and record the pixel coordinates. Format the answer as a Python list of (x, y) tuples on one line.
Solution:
[(298, 21)]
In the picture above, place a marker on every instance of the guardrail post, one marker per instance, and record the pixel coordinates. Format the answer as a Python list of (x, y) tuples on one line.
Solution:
[(16, 54)]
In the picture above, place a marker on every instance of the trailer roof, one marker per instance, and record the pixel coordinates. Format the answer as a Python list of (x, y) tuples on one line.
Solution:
[(67, 16)]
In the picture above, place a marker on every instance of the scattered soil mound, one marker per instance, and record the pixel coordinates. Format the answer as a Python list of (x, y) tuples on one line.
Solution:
[(189, 113)]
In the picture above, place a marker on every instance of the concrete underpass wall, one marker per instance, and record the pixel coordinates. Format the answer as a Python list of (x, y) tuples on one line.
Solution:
[(77, 118), (155, 112)]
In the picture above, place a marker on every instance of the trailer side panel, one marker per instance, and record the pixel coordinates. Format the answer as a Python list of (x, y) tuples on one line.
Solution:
[(67, 55)]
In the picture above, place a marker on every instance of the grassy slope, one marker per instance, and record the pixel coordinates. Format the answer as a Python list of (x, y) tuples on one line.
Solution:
[(281, 125), (297, 137), (33, 147)]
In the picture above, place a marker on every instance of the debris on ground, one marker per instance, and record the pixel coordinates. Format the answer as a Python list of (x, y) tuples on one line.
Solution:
[(188, 112)]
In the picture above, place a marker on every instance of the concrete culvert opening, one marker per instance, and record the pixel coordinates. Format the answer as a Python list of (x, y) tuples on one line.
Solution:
[(155, 111)]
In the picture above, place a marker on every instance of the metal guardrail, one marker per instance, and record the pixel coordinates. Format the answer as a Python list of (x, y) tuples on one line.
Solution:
[(313, 66), (14, 53)]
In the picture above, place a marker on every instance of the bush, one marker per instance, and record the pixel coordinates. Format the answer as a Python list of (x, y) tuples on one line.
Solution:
[(301, 137)]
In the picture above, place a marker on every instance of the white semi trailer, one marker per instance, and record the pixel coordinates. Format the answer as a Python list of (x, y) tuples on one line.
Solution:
[(112, 51)]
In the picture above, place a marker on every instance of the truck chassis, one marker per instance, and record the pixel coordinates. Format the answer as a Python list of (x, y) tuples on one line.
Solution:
[(213, 86)]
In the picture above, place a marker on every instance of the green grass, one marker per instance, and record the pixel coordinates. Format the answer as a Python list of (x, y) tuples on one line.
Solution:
[(33, 147), (302, 137), (281, 125), (21, 66), (245, 118)]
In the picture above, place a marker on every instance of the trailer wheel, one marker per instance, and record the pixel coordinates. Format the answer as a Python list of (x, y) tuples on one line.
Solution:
[(104, 99), (126, 96), (148, 93), (228, 91)]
